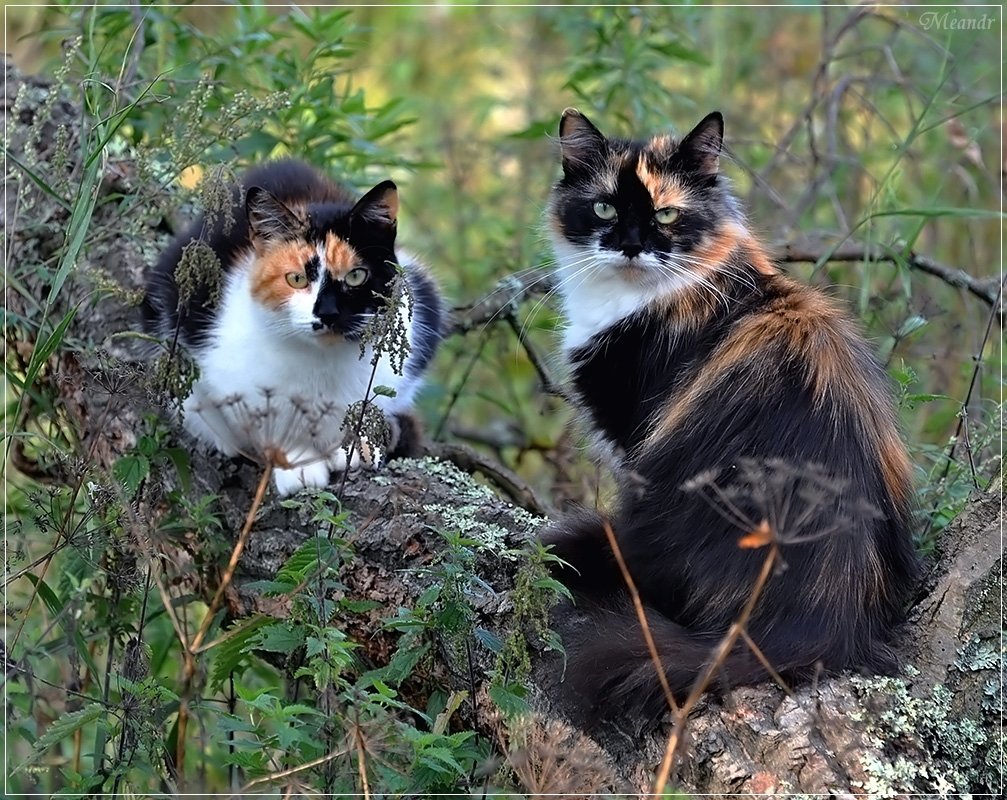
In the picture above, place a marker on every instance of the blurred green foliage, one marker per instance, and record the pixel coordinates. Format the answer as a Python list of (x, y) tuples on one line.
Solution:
[(843, 123)]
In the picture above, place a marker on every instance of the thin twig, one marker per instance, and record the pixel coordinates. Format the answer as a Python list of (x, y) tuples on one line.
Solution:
[(189, 653), (549, 386), (277, 776), (703, 681), (232, 564), (810, 252), (973, 381), (765, 662), (361, 762), (642, 617), (508, 294)]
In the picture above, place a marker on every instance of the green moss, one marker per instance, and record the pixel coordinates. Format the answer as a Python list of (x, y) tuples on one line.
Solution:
[(467, 515), (925, 746)]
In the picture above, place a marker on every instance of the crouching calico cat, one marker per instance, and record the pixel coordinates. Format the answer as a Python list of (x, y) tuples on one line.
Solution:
[(307, 267), (726, 394)]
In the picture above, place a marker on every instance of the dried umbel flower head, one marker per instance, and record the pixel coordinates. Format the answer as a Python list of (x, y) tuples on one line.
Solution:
[(772, 498)]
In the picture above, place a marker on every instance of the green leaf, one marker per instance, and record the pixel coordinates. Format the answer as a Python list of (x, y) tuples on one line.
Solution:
[(359, 606), (314, 555), (280, 637), (681, 52), (56, 607), (62, 728), (489, 640), (130, 471), (234, 649), (509, 698), (554, 586), (406, 657)]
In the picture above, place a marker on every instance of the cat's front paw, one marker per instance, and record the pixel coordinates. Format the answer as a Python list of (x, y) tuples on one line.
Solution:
[(362, 453), (288, 481)]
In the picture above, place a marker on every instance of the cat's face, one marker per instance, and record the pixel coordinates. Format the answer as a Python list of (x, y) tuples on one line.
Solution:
[(322, 271), (640, 212)]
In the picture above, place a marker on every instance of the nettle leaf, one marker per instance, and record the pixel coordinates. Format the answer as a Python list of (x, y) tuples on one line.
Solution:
[(314, 555), (280, 637), (406, 657), (62, 728), (489, 640), (554, 586), (359, 606), (234, 650), (509, 698), (130, 471)]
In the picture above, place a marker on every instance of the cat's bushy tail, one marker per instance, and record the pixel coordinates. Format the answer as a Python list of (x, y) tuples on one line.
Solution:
[(610, 672)]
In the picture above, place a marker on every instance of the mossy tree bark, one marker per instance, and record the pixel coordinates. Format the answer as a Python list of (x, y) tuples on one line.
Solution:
[(927, 731)]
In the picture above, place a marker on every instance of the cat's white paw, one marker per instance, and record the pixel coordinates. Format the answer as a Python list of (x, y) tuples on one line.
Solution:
[(364, 455), (313, 475)]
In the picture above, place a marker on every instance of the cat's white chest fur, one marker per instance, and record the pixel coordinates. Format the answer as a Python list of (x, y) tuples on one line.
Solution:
[(269, 394), (594, 296)]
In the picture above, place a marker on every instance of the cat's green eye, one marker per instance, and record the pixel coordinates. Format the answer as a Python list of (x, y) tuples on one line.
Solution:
[(604, 211), (297, 280), (356, 277), (666, 215)]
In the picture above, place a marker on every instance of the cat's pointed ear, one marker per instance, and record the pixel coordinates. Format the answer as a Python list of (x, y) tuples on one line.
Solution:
[(699, 151), (380, 206), (269, 219), (580, 142)]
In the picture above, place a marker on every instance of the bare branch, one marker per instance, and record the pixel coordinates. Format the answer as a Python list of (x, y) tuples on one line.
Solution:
[(468, 460), (812, 251), (501, 302)]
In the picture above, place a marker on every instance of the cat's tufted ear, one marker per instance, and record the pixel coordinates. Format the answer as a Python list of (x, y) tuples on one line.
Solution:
[(380, 206), (699, 151), (580, 142), (269, 219)]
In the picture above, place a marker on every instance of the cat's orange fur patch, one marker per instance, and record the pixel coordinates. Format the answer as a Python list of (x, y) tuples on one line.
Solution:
[(340, 257), (269, 271), (665, 190), (809, 328), (661, 143), (741, 346), (895, 467)]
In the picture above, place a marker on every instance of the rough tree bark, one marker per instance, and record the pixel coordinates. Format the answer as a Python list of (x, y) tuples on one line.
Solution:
[(930, 730)]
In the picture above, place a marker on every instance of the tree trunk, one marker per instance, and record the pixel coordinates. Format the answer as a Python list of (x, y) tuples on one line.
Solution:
[(930, 730)]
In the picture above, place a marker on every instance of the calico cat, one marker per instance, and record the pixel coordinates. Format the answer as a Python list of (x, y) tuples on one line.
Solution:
[(693, 358), (306, 267)]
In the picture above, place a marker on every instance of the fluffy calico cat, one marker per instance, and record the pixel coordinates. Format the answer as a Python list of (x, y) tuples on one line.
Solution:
[(691, 355), (306, 267)]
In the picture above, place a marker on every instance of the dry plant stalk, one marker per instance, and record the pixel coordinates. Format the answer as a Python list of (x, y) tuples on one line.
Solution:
[(763, 534), (553, 759), (641, 616), (189, 652)]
